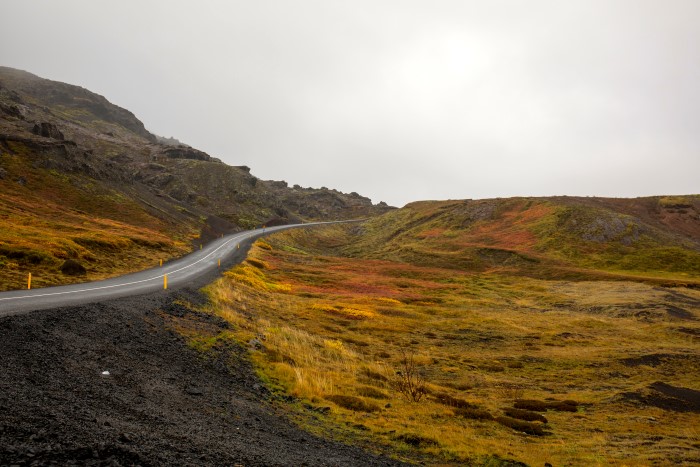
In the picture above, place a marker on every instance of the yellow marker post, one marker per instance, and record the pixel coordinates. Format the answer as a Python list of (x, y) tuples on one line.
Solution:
[(165, 282), (238, 247), (161, 263), (29, 281), (200, 246), (219, 263)]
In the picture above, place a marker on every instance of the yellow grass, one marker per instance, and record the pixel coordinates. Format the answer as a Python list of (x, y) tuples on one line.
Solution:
[(341, 326)]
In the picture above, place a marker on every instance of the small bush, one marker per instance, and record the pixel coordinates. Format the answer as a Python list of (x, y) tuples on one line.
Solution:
[(368, 391), (474, 414), (526, 415), (352, 403), (416, 441), (408, 381), (519, 425)]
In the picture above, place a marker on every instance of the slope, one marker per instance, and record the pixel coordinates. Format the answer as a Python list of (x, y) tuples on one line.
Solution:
[(558, 331)]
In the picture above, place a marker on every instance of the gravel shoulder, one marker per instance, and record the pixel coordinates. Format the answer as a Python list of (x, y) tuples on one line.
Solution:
[(162, 403)]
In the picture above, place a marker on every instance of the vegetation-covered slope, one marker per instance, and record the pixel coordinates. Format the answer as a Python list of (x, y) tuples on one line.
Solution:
[(565, 367), (544, 237), (82, 178)]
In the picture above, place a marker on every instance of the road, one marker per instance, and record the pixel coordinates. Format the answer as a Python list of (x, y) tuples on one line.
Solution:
[(187, 270)]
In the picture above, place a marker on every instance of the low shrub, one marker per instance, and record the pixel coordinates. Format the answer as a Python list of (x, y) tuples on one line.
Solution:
[(543, 406), (474, 414), (530, 428), (408, 380), (526, 415), (352, 403), (416, 441)]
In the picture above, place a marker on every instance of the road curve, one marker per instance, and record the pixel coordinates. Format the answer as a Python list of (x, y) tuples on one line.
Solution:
[(183, 271)]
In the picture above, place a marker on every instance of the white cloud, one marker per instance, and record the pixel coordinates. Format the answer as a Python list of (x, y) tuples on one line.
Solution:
[(398, 100)]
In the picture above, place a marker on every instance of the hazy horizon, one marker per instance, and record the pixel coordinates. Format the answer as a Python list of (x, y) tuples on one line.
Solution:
[(399, 101)]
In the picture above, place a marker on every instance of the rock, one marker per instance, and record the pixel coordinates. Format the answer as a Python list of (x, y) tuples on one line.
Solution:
[(185, 152), (73, 268), (47, 130), (255, 344), (3, 173), (12, 111), (192, 391), (21, 180)]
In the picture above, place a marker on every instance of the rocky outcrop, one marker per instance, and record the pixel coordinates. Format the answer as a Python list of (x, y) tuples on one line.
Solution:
[(78, 103), (185, 152), (14, 111), (47, 130)]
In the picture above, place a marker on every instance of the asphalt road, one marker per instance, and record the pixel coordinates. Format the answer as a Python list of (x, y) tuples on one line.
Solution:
[(187, 270)]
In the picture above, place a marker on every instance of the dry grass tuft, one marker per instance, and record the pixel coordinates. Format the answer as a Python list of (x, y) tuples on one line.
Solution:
[(473, 413), (543, 406), (526, 415), (519, 425), (353, 403)]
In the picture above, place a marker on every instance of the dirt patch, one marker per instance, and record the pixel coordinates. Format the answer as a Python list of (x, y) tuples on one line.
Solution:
[(162, 402), (667, 397)]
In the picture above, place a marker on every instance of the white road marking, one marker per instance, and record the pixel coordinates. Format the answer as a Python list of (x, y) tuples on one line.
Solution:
[(126, 283), (240, 236)]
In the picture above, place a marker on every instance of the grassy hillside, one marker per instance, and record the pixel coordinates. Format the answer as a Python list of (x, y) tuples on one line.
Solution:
[(527, 347), (544, 237), (52, 216)]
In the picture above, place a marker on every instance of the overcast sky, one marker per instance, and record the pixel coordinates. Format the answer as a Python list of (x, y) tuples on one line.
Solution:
[(398, 100)]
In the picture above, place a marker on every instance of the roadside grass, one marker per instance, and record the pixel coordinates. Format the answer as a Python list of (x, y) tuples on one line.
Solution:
[(53, 217), (333, 330)]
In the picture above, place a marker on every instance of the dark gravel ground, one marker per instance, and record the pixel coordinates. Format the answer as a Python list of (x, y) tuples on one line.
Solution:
[(162, 404)]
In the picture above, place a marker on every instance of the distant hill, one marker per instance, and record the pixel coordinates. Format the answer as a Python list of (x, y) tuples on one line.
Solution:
[(556, 237), (83, 178)]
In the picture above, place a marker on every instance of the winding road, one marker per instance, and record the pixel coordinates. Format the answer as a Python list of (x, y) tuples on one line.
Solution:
[(183, 271)]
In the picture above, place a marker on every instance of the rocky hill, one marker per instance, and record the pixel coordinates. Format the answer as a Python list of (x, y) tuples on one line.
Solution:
[(83, 179)]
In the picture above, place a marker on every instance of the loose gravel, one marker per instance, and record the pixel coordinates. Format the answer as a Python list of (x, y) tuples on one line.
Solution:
[(161, 402)]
